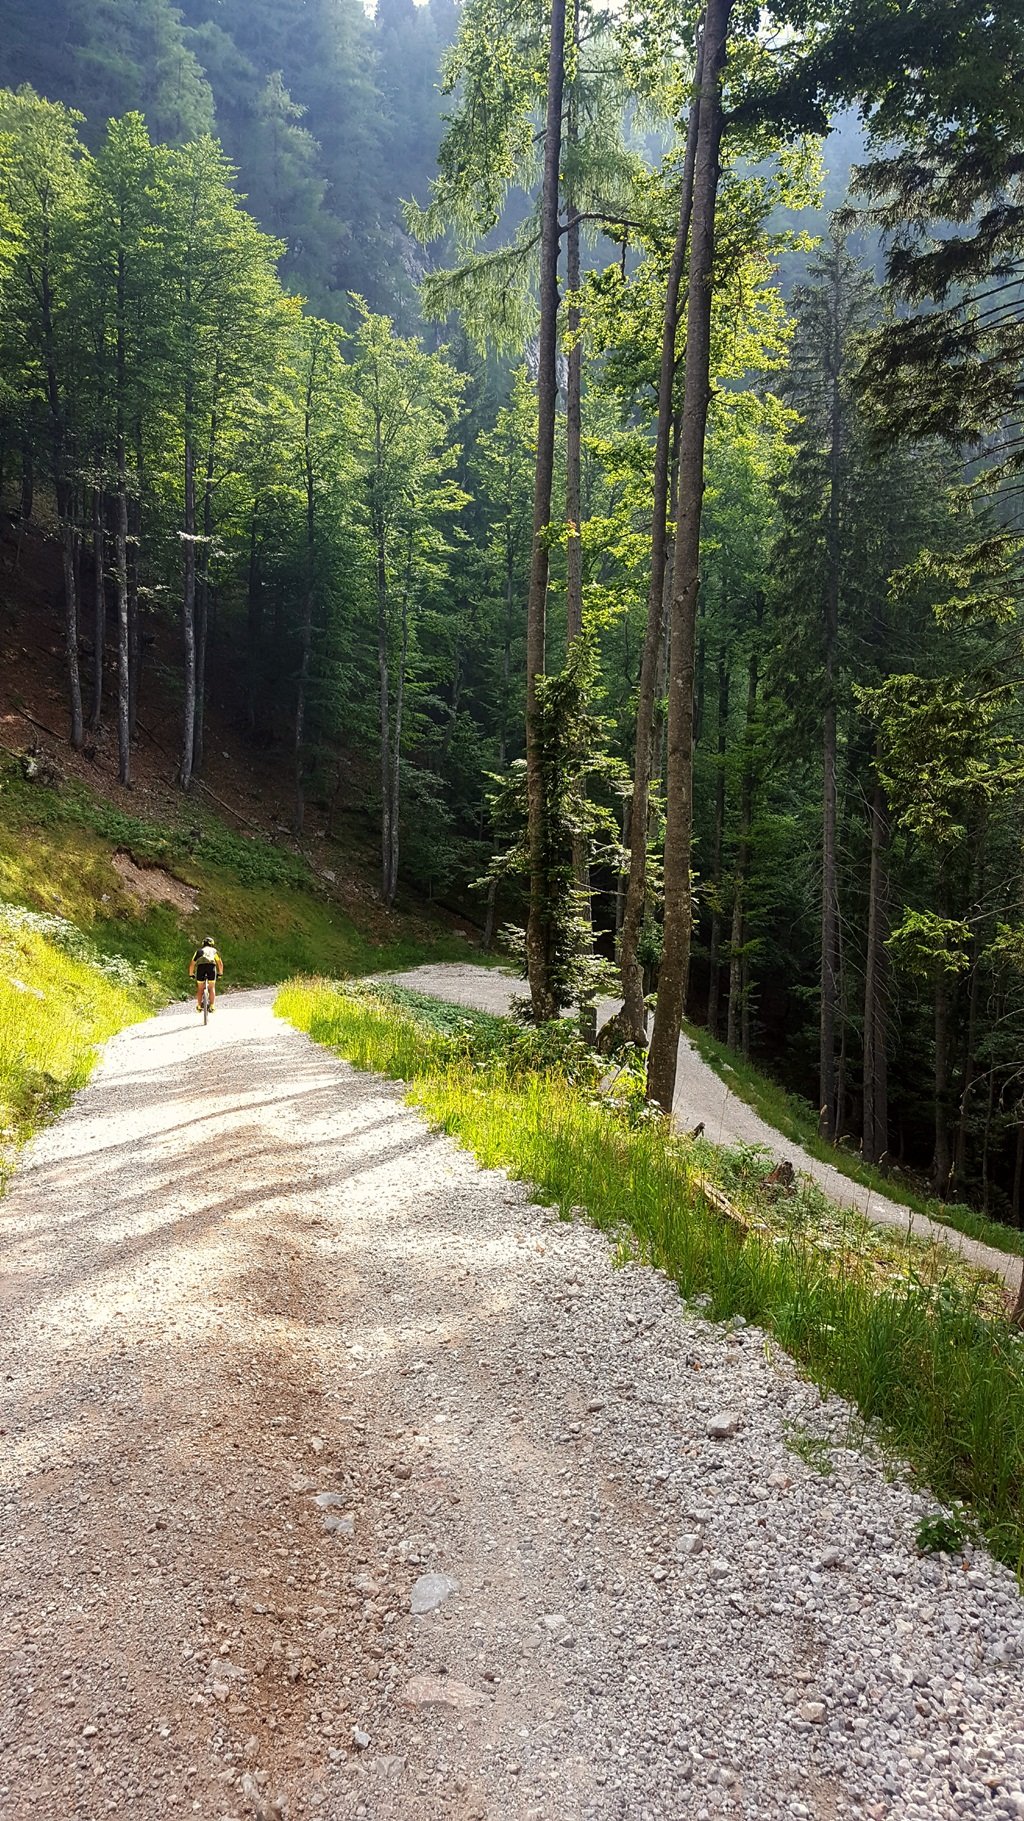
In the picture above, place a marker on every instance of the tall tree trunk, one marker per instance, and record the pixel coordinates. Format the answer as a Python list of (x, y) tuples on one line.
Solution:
[(134, 585), (941, 1160), (65, 507), (714, 950), (540, 925), (27, 478), (875, 1143), (124, 744), (203, 600), (574, 431), (829, 984), (306, 647), (574, 376), (739, 984), (506, 688), (188, 612), (124, 654), (384, 689), (633, 1017), (99, 583), (970, 1048), (1018, 1169), (394, 791), (986, 1143), (64, 490), (254, 625), (661, 1073)]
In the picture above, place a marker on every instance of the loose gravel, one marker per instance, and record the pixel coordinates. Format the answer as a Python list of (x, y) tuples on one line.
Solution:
[(340, 1480), (703, 1098)]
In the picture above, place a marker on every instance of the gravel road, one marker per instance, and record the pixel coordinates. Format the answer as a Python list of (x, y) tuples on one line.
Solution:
[(339, 1480), (702, 1097)]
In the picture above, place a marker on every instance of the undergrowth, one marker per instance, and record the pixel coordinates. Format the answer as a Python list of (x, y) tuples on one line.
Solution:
[(797, 1120), (60, 998), (261, 903), (926, 1362)]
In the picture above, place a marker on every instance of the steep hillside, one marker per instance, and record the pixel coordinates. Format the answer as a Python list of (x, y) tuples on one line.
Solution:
[(104, 891), (75, 842)]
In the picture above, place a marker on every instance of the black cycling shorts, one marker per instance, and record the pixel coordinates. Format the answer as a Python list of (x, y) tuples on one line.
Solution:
[(206, 971)]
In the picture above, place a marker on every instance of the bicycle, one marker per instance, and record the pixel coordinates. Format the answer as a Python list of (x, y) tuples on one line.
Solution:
[(206, 1000)]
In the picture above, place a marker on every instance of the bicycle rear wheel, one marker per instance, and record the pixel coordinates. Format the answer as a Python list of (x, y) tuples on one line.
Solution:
[(206, 1002)]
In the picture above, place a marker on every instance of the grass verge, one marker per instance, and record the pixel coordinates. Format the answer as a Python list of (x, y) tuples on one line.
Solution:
[(60, 998), (929, 1367), (796, 1120)]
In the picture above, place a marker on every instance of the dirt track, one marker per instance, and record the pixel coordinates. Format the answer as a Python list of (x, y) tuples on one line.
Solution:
[(275, 1357), (701, 1097)]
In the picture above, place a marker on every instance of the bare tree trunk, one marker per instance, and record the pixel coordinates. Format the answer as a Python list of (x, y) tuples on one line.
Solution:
[(539, 931), (384, 677), (66, 511), (188, 612), (714, 950), (941, 1160), (875, 1141), (829, 871), (27, 479), (986, 1142), (574, 437), (99, 582), (661, 1073), (124, 744), (1018, 1169), (203, 599), (732, 1018), (254, 625), (134, 586), (970, 1058), (64, 489), (633, 1017), (739, 983), (490, 919), (394, 804), (134, 620), (574, 378)]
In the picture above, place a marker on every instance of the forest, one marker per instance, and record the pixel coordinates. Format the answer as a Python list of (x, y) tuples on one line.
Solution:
[(593, 434)]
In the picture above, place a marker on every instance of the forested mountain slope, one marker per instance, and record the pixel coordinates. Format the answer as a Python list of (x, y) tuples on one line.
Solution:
[(332, 117), (446, 551)]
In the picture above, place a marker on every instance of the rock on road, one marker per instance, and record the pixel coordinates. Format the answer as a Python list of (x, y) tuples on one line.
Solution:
[(339, 1480)]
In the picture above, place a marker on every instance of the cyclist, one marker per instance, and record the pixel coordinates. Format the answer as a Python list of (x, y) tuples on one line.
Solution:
[(205, 965)]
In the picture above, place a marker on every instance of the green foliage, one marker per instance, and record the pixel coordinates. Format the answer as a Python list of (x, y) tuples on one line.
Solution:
[(797, 1119), (926, 943), (267, 909), (945, 1532), (60, 998), (939, 1380), (106, 58), (570, 737)]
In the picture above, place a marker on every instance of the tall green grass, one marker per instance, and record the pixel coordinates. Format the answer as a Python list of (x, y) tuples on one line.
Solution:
[(940, 1379), (267, 911), (59, 1000), (797, 1120)]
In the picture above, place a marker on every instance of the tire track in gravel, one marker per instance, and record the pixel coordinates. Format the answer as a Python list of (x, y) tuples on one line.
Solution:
[(241, 1278)]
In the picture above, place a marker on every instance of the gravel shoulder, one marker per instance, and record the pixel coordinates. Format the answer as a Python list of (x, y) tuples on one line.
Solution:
[(340, 1480), (701, 1097)]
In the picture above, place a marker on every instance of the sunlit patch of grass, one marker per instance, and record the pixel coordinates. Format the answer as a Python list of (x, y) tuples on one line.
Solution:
[(58, 1003), (930, 1367), (263, 904)]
